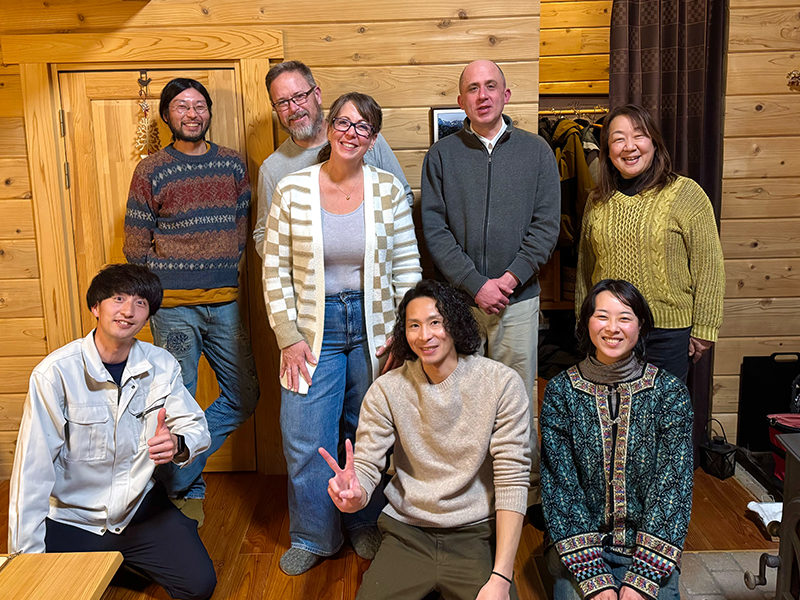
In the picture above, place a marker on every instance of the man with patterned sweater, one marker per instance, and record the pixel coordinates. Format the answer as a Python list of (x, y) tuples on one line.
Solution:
[(187, 220)]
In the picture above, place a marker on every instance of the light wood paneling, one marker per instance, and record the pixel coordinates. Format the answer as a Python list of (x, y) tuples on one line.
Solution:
[(10, 96), (12, 137), (15, 371), (758, 29), (60, 15), (20, 298), (729, 422), (761, 316), (17, 221), (411, 161), (18, 259), (740, 4), (761, 157), (778, 277), (10, 412), (594, 13), (423, 42), (760, 116), (14, 179), (62, 317), (762, 71), (725, 398), (574, 68), (555, 42), (728, 352), (760, 198), (22, 337), (574, 87), (8, 443), (140, 44), (432, 85), (760, 238)]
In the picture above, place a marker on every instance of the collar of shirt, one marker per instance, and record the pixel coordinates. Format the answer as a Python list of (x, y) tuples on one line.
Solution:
[(491, 143)]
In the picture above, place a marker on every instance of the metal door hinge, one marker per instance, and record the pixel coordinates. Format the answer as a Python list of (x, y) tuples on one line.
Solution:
[(61, 125), (66, 174)]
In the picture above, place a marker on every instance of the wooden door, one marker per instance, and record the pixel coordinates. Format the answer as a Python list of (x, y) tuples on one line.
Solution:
[(101, 114)]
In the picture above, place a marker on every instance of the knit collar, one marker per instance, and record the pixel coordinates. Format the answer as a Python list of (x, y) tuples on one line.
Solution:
[(626, 369), (192, 158), (452, 379)]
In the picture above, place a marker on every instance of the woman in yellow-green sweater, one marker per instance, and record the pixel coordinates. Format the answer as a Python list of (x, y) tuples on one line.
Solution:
[(648, 225)]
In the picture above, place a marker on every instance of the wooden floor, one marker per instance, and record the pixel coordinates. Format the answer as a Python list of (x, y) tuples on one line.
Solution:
[(247, 529)]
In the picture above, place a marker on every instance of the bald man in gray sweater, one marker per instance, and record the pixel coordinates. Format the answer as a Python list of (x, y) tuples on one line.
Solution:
[(459, 425)]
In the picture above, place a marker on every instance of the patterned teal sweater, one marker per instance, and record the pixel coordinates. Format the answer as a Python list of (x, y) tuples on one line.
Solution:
[(621, 482)]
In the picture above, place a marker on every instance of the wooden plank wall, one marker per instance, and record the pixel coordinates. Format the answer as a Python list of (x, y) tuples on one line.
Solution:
[(407, 54), (22, 330), (760, 228)]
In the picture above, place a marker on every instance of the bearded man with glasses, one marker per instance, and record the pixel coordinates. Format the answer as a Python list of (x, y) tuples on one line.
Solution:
[(186, 220), (298, 104)]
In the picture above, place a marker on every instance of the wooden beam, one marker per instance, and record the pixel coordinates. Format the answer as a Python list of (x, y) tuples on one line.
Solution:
[(17, 221), (761, 317), (729, 351), (597, 87), (14, 179), (762, 71), (423, 42), (20, 298), (761, 157), (573, 68), (15, 372), (11, 412), (593, 13), (763, 115), (10, 96), (760, 238), (18, 259), (725, 394), (143, 44), (59, 294), (22, 337), (760, 198), (774, 278), (758, 28), (12, 137), (574, 42)]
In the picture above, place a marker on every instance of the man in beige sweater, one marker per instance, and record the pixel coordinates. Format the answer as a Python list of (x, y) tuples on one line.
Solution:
[(459, 426)]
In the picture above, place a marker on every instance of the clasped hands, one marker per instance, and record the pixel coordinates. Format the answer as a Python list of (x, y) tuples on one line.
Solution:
[(494, 295)]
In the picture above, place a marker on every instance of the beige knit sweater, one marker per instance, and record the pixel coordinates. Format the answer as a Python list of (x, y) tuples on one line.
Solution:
[(294, 269), (461, 447)]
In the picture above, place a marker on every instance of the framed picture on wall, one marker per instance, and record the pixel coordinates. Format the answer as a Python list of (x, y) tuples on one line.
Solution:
[(445, 120)]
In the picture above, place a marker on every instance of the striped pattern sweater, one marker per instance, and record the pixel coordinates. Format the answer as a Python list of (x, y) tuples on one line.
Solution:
[(187, 217), (666, 244), (294, 270)]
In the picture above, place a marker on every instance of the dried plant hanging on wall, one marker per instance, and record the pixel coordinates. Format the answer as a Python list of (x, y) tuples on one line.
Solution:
[(147, 138)]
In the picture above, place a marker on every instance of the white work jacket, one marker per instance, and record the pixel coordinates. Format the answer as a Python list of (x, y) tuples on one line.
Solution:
[(82, 457)]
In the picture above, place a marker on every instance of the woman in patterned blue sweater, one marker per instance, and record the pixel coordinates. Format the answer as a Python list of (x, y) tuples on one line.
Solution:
[(616, 459)]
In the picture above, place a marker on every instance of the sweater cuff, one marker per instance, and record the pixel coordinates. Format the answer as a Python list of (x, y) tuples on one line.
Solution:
[(521, 269), (583, 556), (473, 283), (287, 334), (705, 332), (654, 560), (514, 498)]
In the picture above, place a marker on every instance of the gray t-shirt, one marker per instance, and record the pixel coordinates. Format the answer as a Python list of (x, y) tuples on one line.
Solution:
[(343, 242), (290, 157)]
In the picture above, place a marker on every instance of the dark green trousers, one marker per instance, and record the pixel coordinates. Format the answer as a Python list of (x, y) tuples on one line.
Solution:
[(414, 561)]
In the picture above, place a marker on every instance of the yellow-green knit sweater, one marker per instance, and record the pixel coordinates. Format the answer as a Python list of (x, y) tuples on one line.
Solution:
[(666, 244)]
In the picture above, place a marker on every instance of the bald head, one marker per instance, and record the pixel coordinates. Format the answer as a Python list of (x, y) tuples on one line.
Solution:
[(469, 71)]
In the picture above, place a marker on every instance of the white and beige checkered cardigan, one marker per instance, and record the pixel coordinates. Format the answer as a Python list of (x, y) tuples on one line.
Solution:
[(294, 270)]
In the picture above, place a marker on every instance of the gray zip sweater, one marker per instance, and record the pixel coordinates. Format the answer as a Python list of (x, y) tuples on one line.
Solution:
[(484, 214)]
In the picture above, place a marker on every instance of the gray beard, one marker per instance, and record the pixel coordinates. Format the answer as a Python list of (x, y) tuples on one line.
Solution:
[(305, 132)]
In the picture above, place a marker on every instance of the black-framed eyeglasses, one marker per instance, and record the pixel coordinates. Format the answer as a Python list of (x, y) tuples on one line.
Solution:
[(298, 99), (362, 129)]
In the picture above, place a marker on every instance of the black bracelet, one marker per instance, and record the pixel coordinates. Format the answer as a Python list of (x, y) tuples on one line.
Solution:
[(503, 576)]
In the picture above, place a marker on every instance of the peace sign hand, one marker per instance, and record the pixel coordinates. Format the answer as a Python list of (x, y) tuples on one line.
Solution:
[(344, 488)]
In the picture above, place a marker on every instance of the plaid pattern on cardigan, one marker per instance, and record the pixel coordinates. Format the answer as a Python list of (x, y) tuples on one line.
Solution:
[(294, 270)]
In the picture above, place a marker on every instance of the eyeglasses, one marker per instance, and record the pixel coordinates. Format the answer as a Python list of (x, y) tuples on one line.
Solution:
[(298, 99), (200, 108), (362, 129)]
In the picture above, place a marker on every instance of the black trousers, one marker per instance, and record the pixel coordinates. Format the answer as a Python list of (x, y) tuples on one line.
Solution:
[(160, 542), (668, 349)]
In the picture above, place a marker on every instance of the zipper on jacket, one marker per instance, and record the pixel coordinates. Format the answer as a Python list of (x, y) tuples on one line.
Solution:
[(486, 218)]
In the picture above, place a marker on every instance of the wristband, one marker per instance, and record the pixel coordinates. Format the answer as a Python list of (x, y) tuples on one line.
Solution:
[(501, 576)]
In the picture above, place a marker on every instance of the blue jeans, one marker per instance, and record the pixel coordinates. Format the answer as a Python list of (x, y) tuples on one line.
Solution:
[(566, 588), (216, 331), (325, 417)]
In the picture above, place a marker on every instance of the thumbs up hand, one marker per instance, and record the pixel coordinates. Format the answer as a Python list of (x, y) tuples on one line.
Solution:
[(163, 444)]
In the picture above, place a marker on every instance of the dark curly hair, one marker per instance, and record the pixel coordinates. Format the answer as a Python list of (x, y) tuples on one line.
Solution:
[(631, 297), (458, 320)]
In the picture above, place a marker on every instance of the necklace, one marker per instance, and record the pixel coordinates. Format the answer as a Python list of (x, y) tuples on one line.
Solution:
[(346, 195)]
